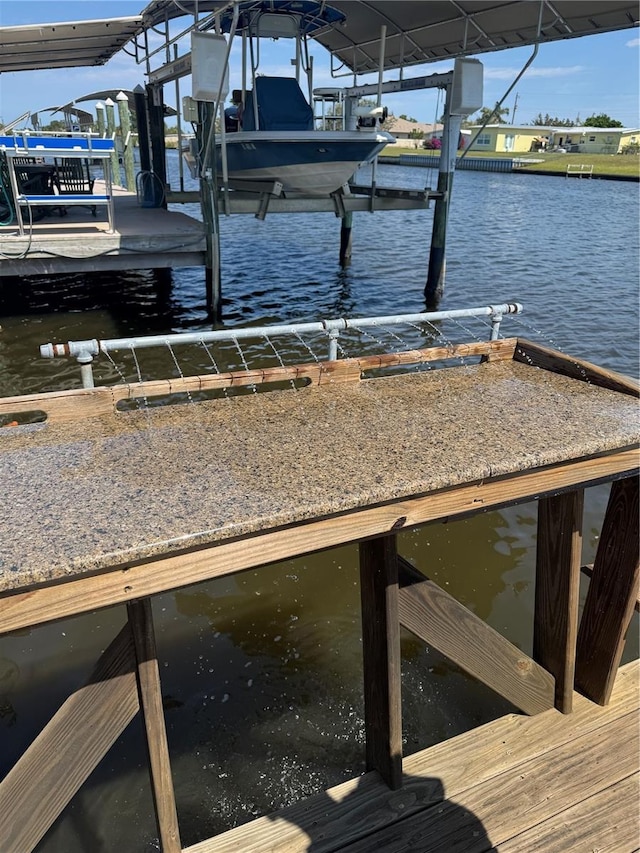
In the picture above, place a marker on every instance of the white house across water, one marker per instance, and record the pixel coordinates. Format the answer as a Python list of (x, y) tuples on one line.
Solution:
[(520, 139)]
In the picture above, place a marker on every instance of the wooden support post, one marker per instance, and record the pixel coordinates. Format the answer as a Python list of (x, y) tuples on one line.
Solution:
[(613, 592), (144, 149), (111, 131), (381, 658), (100, 119), (155, 110), (557, 590), (127, 141), (434, 288), (346, 223), (141, 621)]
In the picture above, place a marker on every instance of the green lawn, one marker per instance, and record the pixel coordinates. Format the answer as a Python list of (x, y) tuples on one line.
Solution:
[(603, 164)]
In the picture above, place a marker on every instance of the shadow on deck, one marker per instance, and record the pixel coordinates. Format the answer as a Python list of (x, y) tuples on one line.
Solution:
[(547, 783)]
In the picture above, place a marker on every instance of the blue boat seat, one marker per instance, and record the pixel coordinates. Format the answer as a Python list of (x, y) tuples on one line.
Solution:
[(281, 106)]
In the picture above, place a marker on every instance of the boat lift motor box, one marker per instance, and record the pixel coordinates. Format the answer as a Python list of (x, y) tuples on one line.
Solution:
[(209, 70), (467, 87)]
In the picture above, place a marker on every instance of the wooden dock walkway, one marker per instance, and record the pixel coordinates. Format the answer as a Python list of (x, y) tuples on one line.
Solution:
[(552, 783), (144, 238)]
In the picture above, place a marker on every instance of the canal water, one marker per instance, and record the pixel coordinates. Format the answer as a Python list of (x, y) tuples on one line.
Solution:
[(261, 672)]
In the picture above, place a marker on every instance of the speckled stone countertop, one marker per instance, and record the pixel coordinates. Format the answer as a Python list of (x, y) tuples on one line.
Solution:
[(110, 490)]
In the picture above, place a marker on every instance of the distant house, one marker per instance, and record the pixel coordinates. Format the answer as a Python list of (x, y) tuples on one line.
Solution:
[(629, 137), (510, 138), (403, 130), (519, 139), (594, 140)]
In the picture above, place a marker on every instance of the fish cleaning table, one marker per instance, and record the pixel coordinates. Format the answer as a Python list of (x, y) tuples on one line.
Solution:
[(104, 507)]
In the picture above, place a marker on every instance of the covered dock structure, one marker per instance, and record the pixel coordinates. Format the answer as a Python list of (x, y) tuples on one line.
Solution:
[(381, 37)]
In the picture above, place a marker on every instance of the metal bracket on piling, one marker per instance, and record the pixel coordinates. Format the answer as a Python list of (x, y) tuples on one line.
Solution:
[(338, 203)]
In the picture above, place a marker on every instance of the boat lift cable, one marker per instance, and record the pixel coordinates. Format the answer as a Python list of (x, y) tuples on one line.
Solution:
[(216, 110), (509, 90)]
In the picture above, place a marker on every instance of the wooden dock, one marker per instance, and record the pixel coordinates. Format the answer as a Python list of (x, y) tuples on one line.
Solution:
[(552, 783), (144, 238)]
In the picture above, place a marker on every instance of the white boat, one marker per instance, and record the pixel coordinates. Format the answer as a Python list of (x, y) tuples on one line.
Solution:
[(269, 132)]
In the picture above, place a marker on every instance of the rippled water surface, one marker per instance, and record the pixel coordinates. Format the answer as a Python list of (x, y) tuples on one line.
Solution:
[(261, 672)]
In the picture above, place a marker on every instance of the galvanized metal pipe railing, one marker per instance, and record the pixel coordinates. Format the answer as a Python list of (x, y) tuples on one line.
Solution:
[(86, 351)]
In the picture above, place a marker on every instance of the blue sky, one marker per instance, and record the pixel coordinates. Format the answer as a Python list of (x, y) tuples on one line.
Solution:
[(576, 77)]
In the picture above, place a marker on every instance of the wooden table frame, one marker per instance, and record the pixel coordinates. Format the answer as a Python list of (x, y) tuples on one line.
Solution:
[(126, 678)]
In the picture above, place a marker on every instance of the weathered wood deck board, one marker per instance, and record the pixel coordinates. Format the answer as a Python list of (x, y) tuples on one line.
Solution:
[(478, 818), (463, 769), (602, 823)]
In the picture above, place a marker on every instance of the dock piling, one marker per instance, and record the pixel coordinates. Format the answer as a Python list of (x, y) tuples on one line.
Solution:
[(127, 140), (434, 288), (346, 223), (100, 119), (155, 111), (111, 130), (209, 196), (144, 150)]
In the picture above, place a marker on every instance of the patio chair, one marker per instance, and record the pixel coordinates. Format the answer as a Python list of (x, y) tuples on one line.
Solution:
[(72, 176)]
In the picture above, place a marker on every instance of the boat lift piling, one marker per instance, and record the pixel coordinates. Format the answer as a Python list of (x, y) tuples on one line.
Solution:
[(463, 87), (155, 110), (111, 132), (346, 225), (124, 117), (463, 96), (100, 119), (210, 213), (434, 287), (145, 189)]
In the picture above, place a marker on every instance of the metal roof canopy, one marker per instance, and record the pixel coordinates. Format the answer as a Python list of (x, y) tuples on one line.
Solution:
[(418, 31), (421, 31), (65, 45)]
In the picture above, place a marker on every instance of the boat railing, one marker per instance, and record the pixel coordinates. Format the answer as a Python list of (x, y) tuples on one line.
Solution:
[(330, 330)]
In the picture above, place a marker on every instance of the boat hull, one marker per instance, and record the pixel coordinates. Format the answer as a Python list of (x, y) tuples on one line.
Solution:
[(305, 162)]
